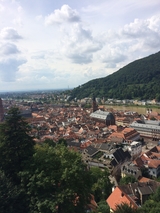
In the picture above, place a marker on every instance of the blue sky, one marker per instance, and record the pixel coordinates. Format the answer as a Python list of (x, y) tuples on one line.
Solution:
[(46, 44)]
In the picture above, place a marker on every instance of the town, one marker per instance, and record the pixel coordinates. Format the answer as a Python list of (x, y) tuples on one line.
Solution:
[(124, 142)]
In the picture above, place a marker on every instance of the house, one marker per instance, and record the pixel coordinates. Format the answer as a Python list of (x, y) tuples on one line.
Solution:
[(127, 134), (151, 161), (120, 157), (122, 121), (130, 169), (135, 149), (134, 194), (154, 168), (118, 197), (90, 151)]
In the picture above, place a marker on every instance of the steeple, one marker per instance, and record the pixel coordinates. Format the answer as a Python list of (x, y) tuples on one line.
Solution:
[(94, 104)]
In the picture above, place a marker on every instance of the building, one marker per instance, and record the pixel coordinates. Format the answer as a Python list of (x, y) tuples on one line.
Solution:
[(26, 113), (134, 194), (135, 149), (127, 134), (129, 169), (103, 116), (1, 111), (151, 161), (94, 105), (149, 129), (119, 158)]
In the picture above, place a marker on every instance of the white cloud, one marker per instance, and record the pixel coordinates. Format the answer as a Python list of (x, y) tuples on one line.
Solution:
[(18, 21), (87, 40), (20, 9), (65, 14), (146, 33), (9, 67), (1, 8), (8, 49), (79, 45), (39, 17), (113, 55), (10, 34), (90, 8)]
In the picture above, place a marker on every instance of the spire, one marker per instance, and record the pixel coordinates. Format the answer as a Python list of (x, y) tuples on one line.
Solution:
[(94, 104)]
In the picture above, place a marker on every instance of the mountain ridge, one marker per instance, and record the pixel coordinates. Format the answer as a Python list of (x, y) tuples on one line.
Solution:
[(139, 79)]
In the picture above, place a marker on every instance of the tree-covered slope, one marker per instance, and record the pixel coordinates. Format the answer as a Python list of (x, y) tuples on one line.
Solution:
[(139, 79)]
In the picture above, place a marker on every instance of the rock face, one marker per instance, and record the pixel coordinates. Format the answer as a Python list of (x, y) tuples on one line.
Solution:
[(1, 111)]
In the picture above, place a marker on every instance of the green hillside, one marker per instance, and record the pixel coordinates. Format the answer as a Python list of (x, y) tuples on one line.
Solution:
[(137, 80)]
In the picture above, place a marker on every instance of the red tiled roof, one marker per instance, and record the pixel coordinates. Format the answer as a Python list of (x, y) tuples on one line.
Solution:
[(144, 180), (117, 198), (153, 163)]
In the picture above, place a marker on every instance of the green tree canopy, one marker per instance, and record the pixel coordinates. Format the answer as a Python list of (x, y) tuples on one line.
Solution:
[(16, 146), (125, 208), (11, 197), (152, 205), (127, 179), (58, 181), (101, 185)]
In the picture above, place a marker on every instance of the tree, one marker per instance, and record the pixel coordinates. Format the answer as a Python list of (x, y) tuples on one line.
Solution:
[(62, 141), (58, 181), (152, 205), (127, 179), (101, 185), (50, 142), (12, 197), (103, 207), (125, 208), (16, 146)]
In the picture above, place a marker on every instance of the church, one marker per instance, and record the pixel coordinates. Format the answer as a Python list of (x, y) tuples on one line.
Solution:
[(101, 116)]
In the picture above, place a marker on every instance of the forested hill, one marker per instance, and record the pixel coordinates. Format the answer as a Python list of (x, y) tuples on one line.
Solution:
[(137, 80)]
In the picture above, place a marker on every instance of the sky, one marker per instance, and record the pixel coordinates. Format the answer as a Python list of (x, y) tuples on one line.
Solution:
[(49, 44)]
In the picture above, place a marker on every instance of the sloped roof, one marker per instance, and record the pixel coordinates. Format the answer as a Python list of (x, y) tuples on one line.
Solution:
[(91, 150), (128, 193), (120, 156), (153, 163), (146, 126), (117, 198), (103, 115)]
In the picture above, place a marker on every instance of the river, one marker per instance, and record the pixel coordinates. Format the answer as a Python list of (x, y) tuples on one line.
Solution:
[(140, 110)]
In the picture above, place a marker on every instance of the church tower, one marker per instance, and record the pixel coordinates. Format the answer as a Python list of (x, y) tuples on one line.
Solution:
[(94, 104), (1, 111)]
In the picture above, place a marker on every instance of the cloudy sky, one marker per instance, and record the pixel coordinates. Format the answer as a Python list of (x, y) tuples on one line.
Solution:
[(49, 44)]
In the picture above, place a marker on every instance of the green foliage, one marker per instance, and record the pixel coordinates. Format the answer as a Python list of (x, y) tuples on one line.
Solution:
[(101, 185), (125, 208), (50, 142), (103, 207), (11, 197), (152, 205), (58, 181), (16, 146), (127, 179), (145, 172), (138, 80), (62, 141)]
